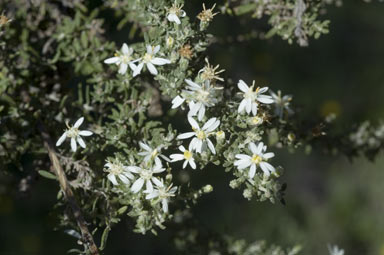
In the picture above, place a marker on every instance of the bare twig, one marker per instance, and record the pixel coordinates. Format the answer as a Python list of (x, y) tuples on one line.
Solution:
[(59, 172)]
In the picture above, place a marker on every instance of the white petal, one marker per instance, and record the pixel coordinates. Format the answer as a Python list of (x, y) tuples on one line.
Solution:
[(151, 195), (186, 135), (145, 146), (61, 139), (152, 69), (123, 68), (133, 169), (156, 49), (201, 113), (192, 84), (112, 60), (177, 101), (192, 163), (157, 161), (160, 61), (149, 186), (158, 183), (112, 178), (176, 157), (81, 142), (193, 123), (268, 166), (125, 49), (248, 106), (137, 70), (73, 144), (199, 145), (259, 148), (243, 156), (164, 202), (210, 146), (269, 155), (78, 122), (149, 49), (242, 86), (213, 126), (264, 168), (194, 108), (123, 178), (263, 90), (252, 171), (185, 163), (242, 105), (254, 109), (253, 148), (85, 133), (181, 148), (209, 123), (137, 185), (265, 99)]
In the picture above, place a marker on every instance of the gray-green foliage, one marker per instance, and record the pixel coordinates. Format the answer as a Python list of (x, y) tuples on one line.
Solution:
[(52, 71)]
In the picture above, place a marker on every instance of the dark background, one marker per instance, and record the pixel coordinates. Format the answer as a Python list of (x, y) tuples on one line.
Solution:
[(329, 199)]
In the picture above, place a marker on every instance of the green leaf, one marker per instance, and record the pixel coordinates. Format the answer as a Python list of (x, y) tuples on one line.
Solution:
[(47, 174), (104, 238)]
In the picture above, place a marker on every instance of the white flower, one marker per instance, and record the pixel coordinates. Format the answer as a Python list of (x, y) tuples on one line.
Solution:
[(187, 156), (175, 12), (145, 176), (117, 169), (151, 154), (122, 59), (281, 103), (201, 139), (252, 98), (75, 134), (334, 250), (162, 192), (150, 60), (258, 158), (200, 97)]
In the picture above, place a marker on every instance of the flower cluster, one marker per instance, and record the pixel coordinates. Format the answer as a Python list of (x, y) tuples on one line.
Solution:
[(124, 58)]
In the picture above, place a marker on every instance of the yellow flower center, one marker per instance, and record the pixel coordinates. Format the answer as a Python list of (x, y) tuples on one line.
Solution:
[(73, 132), (201, 135), (115, 169), (187, 155), (256, 159), (147, 57)]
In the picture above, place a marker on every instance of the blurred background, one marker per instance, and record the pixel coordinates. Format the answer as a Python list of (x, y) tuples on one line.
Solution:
[(329, 199)]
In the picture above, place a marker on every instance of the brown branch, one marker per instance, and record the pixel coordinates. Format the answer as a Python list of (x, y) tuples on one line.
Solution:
[(59, 172)]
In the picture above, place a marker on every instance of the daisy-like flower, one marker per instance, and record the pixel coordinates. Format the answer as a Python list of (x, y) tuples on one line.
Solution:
[(162, 192), (123, 59), (187, 156), (145, 176), (117, 169), (75, 134), (151, 154), (258, 158), (281, 103), (201, 139), (252, 97), (175, 12), (150, 61), (200, 97)]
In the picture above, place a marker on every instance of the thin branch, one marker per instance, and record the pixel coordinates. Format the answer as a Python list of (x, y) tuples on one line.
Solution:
[(59, 172)]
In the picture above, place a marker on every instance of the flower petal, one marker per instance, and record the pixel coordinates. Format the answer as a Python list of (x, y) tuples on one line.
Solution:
[(78, 122), (137, 185), (85, 133), (160, 61), (61, 139), (81, 142), (73, 144), (112, 60)]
